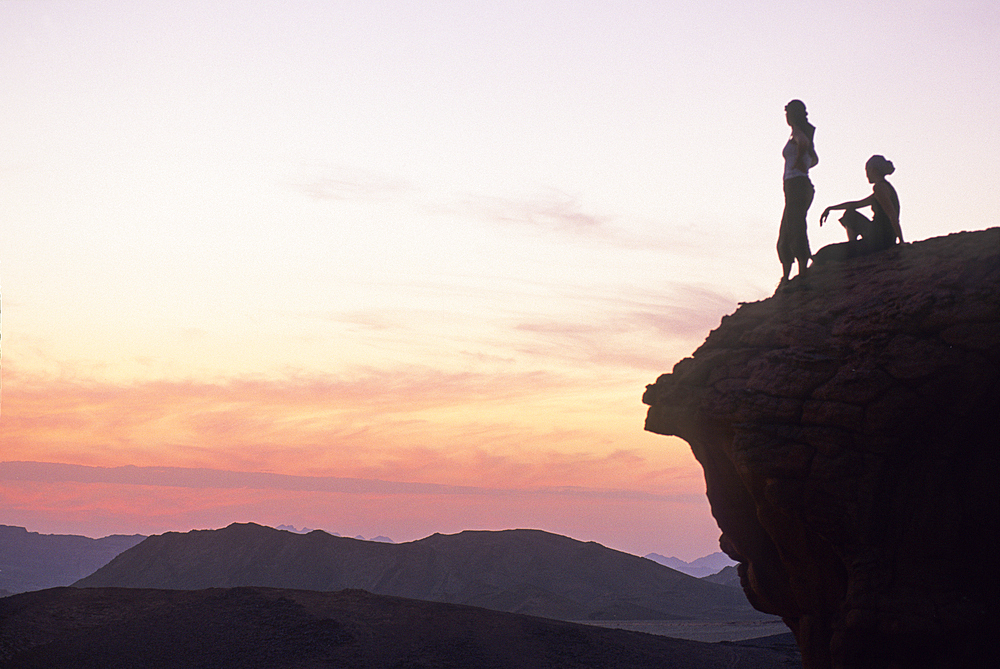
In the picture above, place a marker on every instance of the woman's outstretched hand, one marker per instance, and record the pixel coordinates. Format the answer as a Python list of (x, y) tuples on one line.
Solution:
[(822, 217)]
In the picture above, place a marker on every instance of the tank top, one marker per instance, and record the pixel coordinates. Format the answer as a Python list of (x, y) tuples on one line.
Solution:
[(789, 153), (884, 234)]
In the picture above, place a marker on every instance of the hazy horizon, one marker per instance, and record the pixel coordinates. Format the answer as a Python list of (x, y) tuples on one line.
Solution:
[(443, 245), (212, 479)]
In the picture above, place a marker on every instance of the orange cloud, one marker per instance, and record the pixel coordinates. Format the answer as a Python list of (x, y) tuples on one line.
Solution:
[(402, 454), (495, 431)]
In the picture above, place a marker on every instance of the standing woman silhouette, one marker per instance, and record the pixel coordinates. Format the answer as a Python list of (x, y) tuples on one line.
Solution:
[(800, 155)]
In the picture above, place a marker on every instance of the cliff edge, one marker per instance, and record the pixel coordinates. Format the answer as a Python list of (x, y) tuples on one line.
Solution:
[(849, 429)]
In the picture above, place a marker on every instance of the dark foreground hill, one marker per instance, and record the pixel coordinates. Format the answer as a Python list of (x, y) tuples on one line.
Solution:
[(520, 571), (246, 628), (33, 561)]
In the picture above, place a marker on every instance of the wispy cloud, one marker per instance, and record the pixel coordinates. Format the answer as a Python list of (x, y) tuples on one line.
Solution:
[(514, 429), (346, 184), (685, 311), (556, 213), (642, 330), (549, 211), (553, 211), (203, 478)]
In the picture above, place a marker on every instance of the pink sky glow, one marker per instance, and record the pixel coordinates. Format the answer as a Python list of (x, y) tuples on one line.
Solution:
[(394, 267)]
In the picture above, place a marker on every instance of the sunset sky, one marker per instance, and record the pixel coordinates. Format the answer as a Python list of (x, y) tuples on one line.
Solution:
[(404, 267)]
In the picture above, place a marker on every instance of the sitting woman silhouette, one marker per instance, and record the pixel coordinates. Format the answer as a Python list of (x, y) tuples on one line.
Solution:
[(879, 233)]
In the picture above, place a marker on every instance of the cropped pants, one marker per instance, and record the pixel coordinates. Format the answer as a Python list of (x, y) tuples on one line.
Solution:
[(793, 241)]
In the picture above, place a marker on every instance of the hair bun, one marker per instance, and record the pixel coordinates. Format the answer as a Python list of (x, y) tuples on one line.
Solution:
[(880, 165)]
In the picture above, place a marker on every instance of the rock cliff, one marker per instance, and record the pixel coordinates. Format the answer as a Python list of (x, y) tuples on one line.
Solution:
[(849, 429)]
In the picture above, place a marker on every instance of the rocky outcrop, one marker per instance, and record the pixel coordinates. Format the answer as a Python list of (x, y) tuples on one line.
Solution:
[(849, 429)]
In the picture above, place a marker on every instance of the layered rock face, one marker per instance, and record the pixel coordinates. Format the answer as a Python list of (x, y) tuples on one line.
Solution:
[(849, 429)]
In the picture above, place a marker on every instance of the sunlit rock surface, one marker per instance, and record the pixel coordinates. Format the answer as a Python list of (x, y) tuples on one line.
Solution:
[(849, 429)]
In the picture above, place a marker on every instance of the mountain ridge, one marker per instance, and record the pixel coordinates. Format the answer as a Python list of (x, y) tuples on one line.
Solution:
[(34, 561), (520, 571), (700, 568)]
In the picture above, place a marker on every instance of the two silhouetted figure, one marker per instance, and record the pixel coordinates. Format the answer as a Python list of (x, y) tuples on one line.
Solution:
[(864, 235)]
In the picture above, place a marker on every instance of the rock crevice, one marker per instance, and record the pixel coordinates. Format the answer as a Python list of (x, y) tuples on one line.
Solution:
[(849, 429)]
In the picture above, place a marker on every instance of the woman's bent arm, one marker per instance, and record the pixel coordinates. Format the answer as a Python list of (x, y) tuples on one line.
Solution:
[(867, 202)]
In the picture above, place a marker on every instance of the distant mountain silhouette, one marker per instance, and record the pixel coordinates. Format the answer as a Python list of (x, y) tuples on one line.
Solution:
[(704, 566), (33, 561), (520, 571), (728, 576), (251, 628), (292, 528)]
